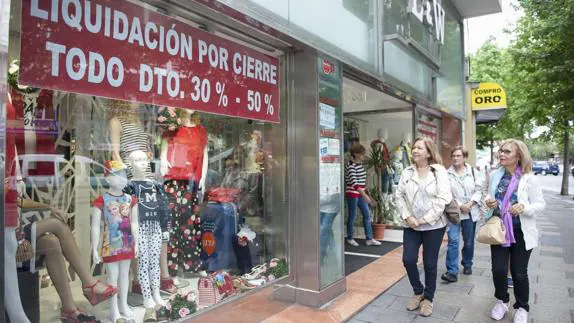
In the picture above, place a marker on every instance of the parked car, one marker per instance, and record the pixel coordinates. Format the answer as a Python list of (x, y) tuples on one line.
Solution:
[(572, 170), (543, 168)]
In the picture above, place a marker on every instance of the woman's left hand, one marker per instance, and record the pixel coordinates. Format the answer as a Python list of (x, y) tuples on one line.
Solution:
[(517, 209)]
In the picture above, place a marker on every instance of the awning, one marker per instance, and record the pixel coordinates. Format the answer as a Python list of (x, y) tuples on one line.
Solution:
[(475, 8)]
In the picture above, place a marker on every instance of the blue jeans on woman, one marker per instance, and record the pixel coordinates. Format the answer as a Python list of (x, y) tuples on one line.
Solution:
[(468, 229), (352, 204)]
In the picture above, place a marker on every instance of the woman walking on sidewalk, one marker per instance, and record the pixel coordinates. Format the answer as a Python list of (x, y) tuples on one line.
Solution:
[(355, 190), (467, 191), (422, 194), (514, 194)]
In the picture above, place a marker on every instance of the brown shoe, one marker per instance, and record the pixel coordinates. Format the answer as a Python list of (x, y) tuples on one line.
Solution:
[(426, 308), (415, 302)]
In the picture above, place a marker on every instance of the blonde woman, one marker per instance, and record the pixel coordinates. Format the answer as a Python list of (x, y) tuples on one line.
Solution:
[(514, 195), (422, 194)]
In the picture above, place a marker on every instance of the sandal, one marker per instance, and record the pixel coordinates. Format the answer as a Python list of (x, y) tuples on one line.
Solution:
[(77, 316), (150, 315), (240, 284), (162, 313), (256, 272), (167, 285), (96, 298)]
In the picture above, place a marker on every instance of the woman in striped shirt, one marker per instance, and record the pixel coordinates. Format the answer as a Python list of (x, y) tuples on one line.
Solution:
[(355, 190)]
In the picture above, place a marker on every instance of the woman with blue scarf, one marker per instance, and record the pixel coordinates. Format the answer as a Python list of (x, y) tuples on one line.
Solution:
[(514, 195)]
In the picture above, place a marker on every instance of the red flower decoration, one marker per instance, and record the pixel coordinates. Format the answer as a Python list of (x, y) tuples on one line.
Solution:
[(187, 196), (171, 206)]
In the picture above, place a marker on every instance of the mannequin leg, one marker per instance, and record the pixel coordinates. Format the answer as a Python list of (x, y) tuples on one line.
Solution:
[(143, 264), (124, 282), (69, 249), (13, 303), (154, 254), (49, 246), (113, 270), (163, 262)]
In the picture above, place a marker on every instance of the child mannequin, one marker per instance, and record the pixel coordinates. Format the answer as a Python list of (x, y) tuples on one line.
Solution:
[(152, 205), (120, 215)]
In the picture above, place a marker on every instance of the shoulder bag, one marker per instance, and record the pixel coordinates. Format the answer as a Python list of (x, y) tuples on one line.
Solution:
[(493, 232), (452, 209)]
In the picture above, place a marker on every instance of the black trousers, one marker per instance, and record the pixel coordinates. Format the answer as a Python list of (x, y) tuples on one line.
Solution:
[(431, 241), (519, 258)]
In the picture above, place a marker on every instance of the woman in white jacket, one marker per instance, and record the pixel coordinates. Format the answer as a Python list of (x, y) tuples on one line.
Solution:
[(515, 195), (421, 196)]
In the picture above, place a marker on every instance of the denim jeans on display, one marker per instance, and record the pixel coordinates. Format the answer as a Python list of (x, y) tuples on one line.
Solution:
[(468, 228), (352, 204), (431, 241), (326, 234)]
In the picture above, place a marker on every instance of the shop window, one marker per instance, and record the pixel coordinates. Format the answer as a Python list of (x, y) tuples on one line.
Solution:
[(178, 209)]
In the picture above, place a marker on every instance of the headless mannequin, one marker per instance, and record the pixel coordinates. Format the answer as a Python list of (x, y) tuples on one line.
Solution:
[(118, 272), (140, 162)]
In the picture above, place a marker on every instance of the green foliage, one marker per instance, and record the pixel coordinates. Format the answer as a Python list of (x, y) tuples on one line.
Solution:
[(282, 269)]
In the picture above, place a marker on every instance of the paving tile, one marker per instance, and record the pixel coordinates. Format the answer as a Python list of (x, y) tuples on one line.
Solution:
[(479, 312), (551, 254), (377, 314), (384, 300), (430, 319), (461, 288), (550, 248), (549, 313), (550, 233), (547, 279), (571, 292), (569, 274), (547, 240), (441, 310)]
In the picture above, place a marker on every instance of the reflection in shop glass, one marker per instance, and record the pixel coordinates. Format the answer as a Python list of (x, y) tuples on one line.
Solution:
[(131, 53)]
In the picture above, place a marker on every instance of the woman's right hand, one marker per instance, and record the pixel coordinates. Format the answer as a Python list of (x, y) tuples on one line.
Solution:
[(412, 222), (491, 203)]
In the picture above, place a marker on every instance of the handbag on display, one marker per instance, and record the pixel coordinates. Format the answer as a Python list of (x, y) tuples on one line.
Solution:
[(493, 232), (207, 291)]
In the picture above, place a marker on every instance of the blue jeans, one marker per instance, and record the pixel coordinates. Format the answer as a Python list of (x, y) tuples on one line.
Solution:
[(352, 203), (468, 228), (431, 241), (326, 234)]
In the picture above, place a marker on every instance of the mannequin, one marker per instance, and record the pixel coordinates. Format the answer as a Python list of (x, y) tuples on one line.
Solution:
[(54, 244), (127, 133), (406, 149), (387, 171), (152, 210), (253, 147), (184, 167), (120, 216), (12, 171)]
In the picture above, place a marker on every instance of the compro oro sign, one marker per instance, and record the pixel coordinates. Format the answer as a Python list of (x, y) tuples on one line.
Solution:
[(488, 96)]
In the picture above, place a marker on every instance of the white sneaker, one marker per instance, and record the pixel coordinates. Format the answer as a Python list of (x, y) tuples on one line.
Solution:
[(373, 242), (352, 242), (499, 310), (520, 316)]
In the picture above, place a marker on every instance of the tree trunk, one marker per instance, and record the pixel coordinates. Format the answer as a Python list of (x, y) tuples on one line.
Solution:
[(566, 172), (491, 154)]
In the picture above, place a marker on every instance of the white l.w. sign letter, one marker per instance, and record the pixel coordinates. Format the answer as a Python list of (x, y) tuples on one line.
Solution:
[(430, 13)]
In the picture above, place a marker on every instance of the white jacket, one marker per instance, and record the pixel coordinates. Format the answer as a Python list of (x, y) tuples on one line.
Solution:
[(530, 195), (438, 191), (467, 188)]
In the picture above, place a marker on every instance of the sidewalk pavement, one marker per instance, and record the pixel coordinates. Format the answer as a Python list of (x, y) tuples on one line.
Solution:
[(551, 273)]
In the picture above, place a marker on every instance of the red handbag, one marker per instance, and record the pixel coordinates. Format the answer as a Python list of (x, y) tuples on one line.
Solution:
[(223, 194)]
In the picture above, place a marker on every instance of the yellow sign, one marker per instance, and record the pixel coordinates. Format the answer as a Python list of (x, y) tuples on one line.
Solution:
[(488, 96)]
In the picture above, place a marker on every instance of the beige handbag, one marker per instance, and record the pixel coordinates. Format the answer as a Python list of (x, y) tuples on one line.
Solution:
[(493, 232)]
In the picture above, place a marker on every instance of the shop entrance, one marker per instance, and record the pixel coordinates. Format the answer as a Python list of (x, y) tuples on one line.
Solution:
[(383, 125)]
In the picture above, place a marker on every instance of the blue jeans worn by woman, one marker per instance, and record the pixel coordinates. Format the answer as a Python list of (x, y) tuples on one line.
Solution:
[(326, 234), (352, 204), (468, 229), (431, 241)]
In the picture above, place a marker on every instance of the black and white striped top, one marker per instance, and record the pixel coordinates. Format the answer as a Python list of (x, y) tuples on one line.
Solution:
[(355, 179), (133, 138)]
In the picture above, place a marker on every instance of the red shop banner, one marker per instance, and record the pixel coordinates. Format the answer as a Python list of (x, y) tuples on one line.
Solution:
[(119, 50)]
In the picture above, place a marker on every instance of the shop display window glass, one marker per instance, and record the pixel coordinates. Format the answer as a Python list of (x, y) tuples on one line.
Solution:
[(172, 209), (450, 83)]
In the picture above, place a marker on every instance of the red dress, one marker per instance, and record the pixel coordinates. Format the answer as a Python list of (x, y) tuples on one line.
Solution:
[(185, 152)]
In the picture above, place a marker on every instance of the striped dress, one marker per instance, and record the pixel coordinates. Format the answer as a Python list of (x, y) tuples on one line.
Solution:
[(355, 179), (133, 138)]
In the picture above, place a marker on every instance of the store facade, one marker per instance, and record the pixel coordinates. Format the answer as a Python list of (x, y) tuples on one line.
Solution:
[(199, 147)]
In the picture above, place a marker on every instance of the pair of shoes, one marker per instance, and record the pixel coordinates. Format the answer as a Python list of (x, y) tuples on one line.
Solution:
[(510, 282), (426, 308), (76, 316), (256, 272), (150, 315), (449, 278), (372, 242), (352, 242), (167, 285), (467, 271), (415, 302), (499, 310), (94, 297)]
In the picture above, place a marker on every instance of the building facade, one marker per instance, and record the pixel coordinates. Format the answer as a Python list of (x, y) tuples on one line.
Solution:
[(211, 132)]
